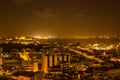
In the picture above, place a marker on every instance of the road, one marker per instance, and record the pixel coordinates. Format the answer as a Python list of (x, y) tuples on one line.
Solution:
[(84, 54)]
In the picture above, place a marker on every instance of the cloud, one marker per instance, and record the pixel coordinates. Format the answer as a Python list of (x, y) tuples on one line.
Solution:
[(46, 13), (22, 1), (80, 15)]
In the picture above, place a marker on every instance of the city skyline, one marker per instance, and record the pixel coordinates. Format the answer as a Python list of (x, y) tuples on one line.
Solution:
[(61, 17)]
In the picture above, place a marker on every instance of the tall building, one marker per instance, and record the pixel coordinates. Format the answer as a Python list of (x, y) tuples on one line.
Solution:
[(45, 63), (49, 60), (1, 62)]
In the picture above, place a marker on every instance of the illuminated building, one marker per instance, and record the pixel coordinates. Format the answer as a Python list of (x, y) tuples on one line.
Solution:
[(45, 64), (1, 62), (50, 61), (30, 66)]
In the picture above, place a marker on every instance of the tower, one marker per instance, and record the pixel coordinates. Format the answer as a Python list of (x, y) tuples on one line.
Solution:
[(45, 63)]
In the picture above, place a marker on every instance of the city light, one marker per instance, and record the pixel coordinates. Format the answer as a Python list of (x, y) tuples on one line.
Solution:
[(59, 39), (38, 37)]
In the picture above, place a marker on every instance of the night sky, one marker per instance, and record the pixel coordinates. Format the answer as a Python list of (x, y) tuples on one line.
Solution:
[(60, 17)]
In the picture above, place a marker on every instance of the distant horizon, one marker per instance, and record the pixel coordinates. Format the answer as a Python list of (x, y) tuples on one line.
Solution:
[(59, 17), (62, 36)]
